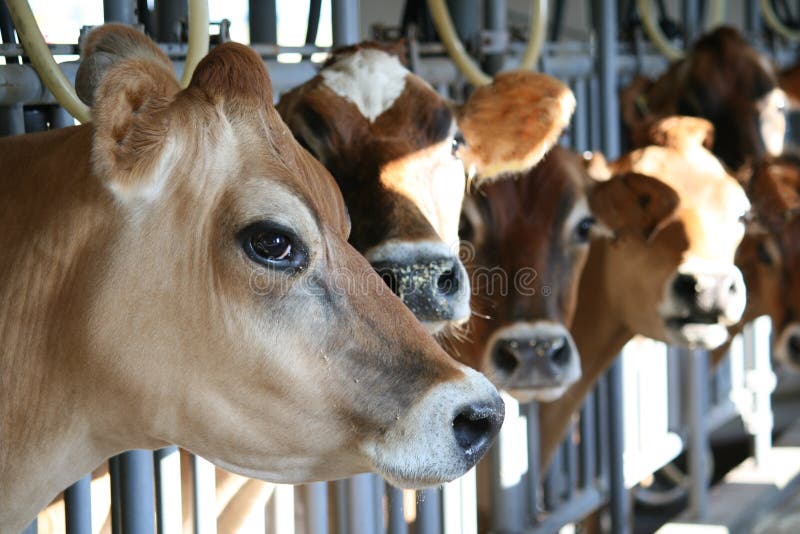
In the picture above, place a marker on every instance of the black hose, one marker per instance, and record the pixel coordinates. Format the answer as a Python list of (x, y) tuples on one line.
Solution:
[(7, 30), (314, 9), (557, 23), (145, 16)]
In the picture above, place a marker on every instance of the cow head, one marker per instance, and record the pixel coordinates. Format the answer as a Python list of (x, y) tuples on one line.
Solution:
[(260, 338), (722, 79), (392, 144), (526, 241), (774, 191), (676, 218)]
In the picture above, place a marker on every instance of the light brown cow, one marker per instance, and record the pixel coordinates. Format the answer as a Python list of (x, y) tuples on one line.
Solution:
[(722, 79), (390, 141), (161, 265), (667, 272)]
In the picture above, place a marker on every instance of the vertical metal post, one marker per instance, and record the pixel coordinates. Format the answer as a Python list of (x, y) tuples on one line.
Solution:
[(263, 21), (760, 381), (588, 450), (620, 508), (136, 492), (168, 490), (752, 17), (429, 512), (460, 505), (534, 465), (397, 519), (378, 491), (78, 506), (510, 459), (691, 21), (340, 498), (116, 505), (123, 11), (316, 497), (205, 496), (495, 15), (361, 504), (345, 22), (169, 14), (12, 120), (697, 361), (281, 510)]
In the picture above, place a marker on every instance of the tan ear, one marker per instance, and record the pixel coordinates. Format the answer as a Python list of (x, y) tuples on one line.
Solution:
[(633, 203), (510, 124), (234, 74), (129, 82), (682, 133)]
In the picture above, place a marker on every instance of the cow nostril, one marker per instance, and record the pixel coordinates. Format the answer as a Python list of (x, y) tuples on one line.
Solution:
[(733, 289), (390, 279), (505, 359), (561, 355), (447, 283), (794, 347), (475, 426), (685, 286)]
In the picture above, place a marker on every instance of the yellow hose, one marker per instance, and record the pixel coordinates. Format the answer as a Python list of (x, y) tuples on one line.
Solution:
[(716, 16), (36, 49), (198, 38), (772, 20), (468, 67)]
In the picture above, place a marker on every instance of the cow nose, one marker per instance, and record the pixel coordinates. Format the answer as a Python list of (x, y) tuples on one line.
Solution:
[(435, 289), (476, 425), (793, 349), (710, 296), (548, 357)]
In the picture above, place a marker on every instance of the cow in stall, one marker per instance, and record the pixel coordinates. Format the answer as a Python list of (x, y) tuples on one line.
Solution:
[(163, 262), (391, 143), (667, 271)]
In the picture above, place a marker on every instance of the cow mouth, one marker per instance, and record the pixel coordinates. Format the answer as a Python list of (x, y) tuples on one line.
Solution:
[(704, 331), (694, 319)]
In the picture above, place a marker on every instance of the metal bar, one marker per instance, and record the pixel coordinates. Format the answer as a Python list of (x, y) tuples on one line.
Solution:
[(752, 17), (582, 504), (534, 461), (342, 509), (345, 15), (123, 11), (169, 14), (588, 449), (378, 491), (691, 21), (460, 505), (571, 463), (760, 382), (204, 496), (78, 506), (168, 490), (552, 482), (281, 510), (12, 120), (698, 432), (397, 520), (263, 21), (510, 459), (495, 17), (316, 499), (620, 508), (116, 513), (361, 504), (429, 512), (136, 492)]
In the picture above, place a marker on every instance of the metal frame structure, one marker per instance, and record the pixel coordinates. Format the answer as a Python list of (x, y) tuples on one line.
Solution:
[(602, 457)]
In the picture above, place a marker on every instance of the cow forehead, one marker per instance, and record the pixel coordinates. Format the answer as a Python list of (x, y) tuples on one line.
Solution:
[(369, 78)]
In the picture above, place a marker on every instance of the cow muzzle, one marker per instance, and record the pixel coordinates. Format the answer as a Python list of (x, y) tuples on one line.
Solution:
[(429, 279), (442, 436), (701, 300), (533, 361), (787, 348)]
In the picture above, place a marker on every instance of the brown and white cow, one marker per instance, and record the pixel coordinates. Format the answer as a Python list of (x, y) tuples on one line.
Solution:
[(178, 272), (724, 80), (390, 142), (668, 271)]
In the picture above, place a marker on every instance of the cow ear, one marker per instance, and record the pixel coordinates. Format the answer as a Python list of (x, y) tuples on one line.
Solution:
[(234, 75), (511, 123), (682, 133), (128, 82), (633, 203), (596, 166)]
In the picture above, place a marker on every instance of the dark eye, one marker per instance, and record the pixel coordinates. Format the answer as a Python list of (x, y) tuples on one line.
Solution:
[(273, 246), (458, 142), (763, 254), (465, 230), (584, 228)]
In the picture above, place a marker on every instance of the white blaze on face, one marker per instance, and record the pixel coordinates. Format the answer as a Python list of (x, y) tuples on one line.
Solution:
[(772, 121), (371, 79)]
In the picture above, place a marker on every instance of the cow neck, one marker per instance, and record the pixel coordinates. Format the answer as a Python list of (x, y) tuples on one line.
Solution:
[(599, 335)]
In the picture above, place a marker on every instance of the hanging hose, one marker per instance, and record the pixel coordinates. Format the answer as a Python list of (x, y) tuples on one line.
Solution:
[(716, 15), (36, 49), (198, 38), (455, 48), (774, 22), (314, 10)]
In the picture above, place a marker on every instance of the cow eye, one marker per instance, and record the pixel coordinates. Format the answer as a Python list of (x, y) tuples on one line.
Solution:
[(273, 246), (764, 255), (466, 232), (458, 142), (584, 229)]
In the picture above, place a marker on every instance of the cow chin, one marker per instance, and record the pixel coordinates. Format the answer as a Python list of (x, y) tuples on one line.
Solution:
[(696, 335), (544, 394)]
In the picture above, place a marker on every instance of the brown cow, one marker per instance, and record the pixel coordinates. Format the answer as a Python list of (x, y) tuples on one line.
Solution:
[(668, 271), (160, 266), (722, 79), (390, 141)]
